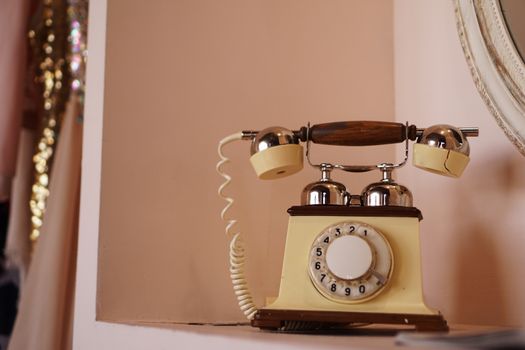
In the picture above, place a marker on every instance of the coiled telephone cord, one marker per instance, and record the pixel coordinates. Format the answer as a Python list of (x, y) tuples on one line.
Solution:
[(237, 251)]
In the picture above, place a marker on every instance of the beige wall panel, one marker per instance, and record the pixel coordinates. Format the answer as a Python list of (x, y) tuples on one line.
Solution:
[(180, 75)]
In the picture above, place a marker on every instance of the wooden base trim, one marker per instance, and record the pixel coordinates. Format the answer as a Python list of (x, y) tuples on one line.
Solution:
[(343, 210), (322, 320)]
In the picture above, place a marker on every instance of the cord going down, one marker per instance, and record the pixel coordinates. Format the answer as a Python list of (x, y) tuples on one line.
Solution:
[(237, 251)]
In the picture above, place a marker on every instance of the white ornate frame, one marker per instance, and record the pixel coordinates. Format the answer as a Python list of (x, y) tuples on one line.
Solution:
[(495, 64)]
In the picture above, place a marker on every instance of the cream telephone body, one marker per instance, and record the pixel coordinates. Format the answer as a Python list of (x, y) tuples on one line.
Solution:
[(349, 259)]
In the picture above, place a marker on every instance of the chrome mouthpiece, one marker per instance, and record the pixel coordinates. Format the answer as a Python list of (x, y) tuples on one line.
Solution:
[(443, 149)]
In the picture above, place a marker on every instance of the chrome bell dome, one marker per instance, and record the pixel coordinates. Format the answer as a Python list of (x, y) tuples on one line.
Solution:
[(386, 192), (325, 191)]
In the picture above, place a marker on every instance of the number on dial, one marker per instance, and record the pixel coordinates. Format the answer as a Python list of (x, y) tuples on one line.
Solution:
[(350, 262)]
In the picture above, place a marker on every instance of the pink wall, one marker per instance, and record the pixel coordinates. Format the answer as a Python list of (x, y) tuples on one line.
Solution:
[(179, 77), (473, 238)]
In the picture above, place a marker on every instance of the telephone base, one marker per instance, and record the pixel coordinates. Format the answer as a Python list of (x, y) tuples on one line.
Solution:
[(299, 320)]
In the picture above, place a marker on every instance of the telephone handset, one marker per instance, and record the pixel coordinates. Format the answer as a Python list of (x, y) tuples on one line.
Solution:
[(349, 259)]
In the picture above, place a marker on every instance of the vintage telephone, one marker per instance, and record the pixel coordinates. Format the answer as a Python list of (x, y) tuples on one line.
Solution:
[(349, 259)]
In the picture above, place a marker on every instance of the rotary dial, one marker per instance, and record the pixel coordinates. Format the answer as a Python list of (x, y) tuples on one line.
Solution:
[(350, 262)]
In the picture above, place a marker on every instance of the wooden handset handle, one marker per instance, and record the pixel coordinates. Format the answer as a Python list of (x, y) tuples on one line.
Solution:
[(358, 133)]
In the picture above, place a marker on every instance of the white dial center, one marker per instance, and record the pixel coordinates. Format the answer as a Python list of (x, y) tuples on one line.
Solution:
[(349, 257)]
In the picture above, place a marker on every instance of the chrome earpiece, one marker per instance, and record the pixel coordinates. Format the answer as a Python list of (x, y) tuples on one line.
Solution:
[(275, 152)]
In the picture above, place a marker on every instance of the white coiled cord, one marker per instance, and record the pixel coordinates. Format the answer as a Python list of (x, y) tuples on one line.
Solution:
[(237, 251)]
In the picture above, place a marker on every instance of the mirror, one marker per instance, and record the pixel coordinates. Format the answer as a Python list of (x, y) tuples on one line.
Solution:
[(513, 12), (495, 61)]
